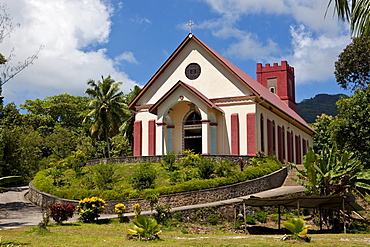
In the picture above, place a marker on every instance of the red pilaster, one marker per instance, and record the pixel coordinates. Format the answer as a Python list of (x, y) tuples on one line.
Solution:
[(251, 134), (151, 137), (280, 144), (138, 135), (234, 134)]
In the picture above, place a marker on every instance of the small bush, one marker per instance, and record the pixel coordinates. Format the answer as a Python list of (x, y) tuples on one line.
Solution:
[(206, 167), (261, 216), (162, 214), (90, 208), (251, 219), (61, 212), (143, 177), (168, 161)]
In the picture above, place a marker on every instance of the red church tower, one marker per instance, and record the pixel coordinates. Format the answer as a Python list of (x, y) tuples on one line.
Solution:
[(279, 79)]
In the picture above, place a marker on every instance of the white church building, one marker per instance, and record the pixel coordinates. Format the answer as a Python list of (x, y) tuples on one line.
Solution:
[(200, 101)]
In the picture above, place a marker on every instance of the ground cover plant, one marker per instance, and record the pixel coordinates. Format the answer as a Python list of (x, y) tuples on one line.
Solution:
[(126, 181), (112, 233)]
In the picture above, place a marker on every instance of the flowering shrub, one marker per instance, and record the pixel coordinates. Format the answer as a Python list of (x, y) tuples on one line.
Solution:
[(90, 208), (120, 209), (61, 212), (137, 209)]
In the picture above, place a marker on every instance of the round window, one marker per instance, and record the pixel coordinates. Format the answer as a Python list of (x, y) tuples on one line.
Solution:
[(192, 71)]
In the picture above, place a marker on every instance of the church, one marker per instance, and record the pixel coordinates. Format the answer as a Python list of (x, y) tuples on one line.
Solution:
[(200, 101)]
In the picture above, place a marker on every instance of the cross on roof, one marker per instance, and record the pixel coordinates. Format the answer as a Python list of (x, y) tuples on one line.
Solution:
[(190, 24)]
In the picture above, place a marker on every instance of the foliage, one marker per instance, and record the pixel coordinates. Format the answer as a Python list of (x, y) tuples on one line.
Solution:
[(311, 108), (152, 198), (356, 13), (76, 162), (143, 177), (9, 179), (121, 146), (350, 130), (105, 177), (162, 214), (352, 70), (137, 209), (206, 168), (120, 208), (89, 209), (86, 185), (324, 133), (333, 171), (297, 227), (145, 228), (108, 108), (168, 161), (61, 212)]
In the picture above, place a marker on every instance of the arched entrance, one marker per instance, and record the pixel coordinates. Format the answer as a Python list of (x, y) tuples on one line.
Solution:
[(192, 132)]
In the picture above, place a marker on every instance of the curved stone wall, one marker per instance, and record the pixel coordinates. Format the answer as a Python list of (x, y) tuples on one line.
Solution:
[(270, 181)]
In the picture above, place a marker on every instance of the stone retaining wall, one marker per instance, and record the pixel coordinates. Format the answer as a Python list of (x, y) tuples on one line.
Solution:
[(157, 159), (270, 181)]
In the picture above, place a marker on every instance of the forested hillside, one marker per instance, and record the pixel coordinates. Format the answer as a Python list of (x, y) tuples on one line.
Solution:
[(309, 109)]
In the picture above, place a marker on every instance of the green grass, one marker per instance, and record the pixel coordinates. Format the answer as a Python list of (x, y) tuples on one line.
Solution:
[(114, 234), (112, 181)]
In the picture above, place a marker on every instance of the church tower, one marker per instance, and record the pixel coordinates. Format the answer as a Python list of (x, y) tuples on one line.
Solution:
[(279, 79)]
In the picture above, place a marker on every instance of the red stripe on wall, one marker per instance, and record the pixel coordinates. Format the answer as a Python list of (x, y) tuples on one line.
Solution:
[(251, 134), (151, 137), (137, 138), (234, 134)]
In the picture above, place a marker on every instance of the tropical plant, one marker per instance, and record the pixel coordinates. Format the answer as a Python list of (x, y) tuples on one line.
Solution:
[(127, 128), (168, 161), (137, 209), (108, 109), (162, 214), (120, 209), (298, 228), (61, 212), (356, 12), (145, 228), (90, 208), (333, 171)]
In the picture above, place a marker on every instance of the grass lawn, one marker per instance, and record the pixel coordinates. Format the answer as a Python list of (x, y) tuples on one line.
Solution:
[(114, 234)]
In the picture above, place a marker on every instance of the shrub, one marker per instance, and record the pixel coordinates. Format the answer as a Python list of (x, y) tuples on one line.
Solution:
[(90, 208), (145, 228), (105, 176), (251, 219), (162, 214), (206, 167), (120, 209), (223, 168), (143, 177), (76, 162), (168, 161), (137, 209), (261, 216), (61, 212)]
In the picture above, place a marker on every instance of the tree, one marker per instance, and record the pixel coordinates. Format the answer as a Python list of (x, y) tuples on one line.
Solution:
[(351, 128), (352, 70), (356, 12), (323, 136), (108, 109), (8, 70), (127, 128)]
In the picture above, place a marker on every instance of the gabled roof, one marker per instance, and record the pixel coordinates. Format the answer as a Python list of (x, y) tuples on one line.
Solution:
[(189, 88), (258, 89)]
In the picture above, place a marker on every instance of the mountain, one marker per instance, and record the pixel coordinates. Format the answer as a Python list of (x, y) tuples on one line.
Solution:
[(309, 109)]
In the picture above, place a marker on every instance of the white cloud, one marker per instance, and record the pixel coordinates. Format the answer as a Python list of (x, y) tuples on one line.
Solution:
[(69, 30), (315, 41), (249, 46), (313, 57), (127, 56)]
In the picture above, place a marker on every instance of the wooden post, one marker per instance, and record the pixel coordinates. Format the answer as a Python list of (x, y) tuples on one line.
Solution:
[(320, 213), (245, 220), (344, 216), (279, 217)]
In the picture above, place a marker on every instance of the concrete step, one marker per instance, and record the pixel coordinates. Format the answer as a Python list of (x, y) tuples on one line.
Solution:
[(292, 174)]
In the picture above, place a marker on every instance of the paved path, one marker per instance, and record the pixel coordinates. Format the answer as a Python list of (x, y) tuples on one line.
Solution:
[(16, 211)]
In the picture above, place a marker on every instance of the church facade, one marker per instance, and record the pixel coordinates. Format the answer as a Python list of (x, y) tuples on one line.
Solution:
[(200, 101)]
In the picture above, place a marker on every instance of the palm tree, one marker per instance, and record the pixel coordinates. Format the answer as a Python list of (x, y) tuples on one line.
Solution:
[(127, 128), (108, 109), (356, 12)]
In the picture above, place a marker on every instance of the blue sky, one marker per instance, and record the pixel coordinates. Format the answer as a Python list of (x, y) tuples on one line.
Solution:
[(130, 40)]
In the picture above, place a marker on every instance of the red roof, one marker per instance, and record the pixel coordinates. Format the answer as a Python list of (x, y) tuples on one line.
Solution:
[(192, 90), (258, 89)]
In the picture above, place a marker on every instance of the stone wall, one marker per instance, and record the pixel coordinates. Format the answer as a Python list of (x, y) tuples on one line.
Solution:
[(270, 181), (157, 159)]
